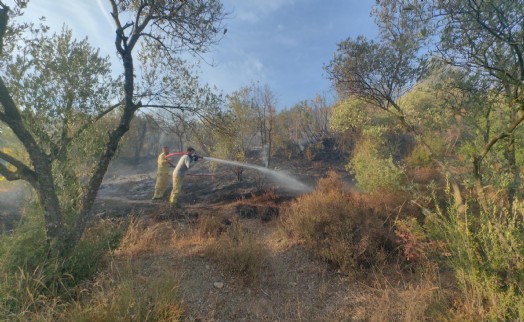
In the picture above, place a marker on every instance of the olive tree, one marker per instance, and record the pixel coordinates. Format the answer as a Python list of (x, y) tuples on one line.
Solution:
[(164, 29), (486, 37)]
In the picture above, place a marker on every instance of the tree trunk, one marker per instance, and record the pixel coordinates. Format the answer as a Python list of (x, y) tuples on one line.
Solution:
[(114, 138), (42, 176), (479, 185), (514, 171), (46, 192)]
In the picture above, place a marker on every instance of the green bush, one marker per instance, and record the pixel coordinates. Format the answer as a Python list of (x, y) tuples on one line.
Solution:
[(36, 278), (373, 171), (26, 247), (486, 252), (419, 157), (89, 255)]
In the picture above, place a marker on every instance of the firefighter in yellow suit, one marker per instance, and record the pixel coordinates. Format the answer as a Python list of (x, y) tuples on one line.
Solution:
[(162, 174), (185, 162)]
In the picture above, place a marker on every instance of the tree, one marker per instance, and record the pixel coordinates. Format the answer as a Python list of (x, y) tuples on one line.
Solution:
[(485, 37), (263, 103), (379, 73), (167, 27), (56, 89), (238, 129), (180, 125)]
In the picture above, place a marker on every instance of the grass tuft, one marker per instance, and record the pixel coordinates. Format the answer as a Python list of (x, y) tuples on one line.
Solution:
[(239, 252)]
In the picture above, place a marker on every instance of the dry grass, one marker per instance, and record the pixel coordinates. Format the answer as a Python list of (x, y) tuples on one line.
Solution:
[(239, 252), (125, 293), (268, 195), (142, 238), (338, 226), (209, 226), (402, 303), (26, 296)]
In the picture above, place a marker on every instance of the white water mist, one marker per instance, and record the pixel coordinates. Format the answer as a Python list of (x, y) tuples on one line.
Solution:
[(283, 179)]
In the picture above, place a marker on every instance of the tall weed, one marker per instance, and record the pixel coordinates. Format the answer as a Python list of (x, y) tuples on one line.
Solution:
[(140, 238), (37, 280), (127, 295), (486, 253)]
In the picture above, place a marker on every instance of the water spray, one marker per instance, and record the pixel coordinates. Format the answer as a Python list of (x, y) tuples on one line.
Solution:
[(282, 178)]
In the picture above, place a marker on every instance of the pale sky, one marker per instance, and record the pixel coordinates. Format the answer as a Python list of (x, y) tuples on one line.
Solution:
[(281, 43)]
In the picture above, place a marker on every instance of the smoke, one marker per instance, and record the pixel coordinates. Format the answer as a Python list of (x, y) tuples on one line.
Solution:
[(279, 177), (265, 154), (11, 200), (11, 195)]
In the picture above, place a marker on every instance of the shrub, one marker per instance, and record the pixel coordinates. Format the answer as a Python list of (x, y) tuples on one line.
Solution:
[(88, 257), (338, 226), (374, 171), (486, 253), (419, 157), (36, 279)]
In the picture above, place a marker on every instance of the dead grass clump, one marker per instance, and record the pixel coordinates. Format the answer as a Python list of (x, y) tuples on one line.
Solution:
[(127, 295), (267, 195), (239, 252), (411, 302), (141, 238), (209, 226), (339, 226)]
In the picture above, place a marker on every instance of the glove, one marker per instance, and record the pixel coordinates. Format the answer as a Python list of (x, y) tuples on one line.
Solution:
[(195, 158)]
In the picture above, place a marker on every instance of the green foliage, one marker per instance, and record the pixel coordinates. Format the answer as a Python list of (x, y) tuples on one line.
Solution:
[(238, 128), (88, 257), (486, 252), (428, 108), (285, 136), (27, 246), (350, 113), (372, 164), (419, 157), (375, 174), (32, 277), (32, 294), (35, 277)]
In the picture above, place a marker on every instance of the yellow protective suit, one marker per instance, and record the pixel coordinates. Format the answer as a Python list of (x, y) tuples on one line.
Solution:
[(182, 166), (162, 176), (177, 188)]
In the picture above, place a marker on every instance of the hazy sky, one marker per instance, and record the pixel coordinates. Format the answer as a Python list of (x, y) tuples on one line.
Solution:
[(281, 43)]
